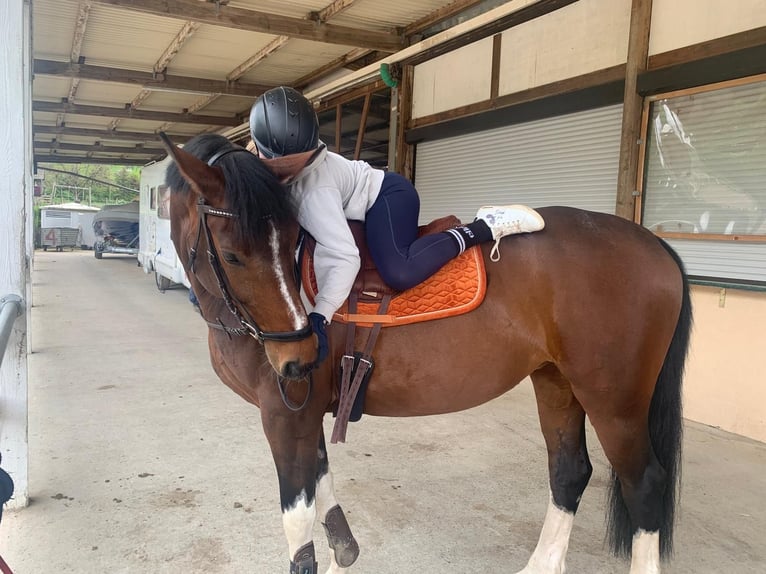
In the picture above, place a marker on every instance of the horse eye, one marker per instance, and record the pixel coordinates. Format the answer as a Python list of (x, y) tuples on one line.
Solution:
[(231, 258)]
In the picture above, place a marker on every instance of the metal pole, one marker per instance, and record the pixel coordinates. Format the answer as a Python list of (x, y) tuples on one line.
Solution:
[(10, 308)]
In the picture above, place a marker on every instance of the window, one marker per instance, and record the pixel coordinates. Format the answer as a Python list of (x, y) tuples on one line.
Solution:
[(704, 180), (163, 198)]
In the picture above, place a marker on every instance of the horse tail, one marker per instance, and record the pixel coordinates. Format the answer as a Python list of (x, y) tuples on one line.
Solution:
[(665, 432)]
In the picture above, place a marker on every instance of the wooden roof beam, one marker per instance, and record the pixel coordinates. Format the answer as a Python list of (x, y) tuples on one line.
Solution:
[(254, 21), (55, 158), (106, 134), (148, 80), (122, 150), (104, 111)]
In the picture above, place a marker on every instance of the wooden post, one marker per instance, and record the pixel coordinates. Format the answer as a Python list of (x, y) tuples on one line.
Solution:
[(638, 56), (362, 125), (16, 243), (338, 127), (404, 152)]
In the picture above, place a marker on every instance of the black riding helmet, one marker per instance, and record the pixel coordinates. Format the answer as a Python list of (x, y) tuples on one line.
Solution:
[(282, 122)]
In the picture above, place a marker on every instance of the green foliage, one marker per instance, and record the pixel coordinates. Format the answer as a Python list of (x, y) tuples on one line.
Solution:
[(63, 188)]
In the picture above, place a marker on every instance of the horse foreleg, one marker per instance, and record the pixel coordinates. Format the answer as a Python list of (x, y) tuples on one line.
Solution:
[(345, 549), (562, 420), (294, 442)]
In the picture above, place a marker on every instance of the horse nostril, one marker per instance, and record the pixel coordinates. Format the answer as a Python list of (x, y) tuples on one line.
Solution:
[(293, 370)]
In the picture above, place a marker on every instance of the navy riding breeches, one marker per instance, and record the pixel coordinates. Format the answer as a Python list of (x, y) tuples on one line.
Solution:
[(391, 225)]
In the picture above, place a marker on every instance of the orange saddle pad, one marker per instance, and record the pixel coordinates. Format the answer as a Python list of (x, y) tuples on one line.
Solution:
[(457, 288)]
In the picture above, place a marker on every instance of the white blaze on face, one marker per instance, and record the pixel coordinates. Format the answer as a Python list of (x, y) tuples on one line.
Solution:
[(298, 522), (646, 553), (550, 554), (295, 310)]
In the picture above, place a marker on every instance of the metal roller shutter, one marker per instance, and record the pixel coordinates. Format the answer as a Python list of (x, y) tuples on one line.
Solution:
[(565, 160)]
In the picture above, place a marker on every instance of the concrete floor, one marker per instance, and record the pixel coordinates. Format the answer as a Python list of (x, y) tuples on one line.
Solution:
[(142, 461)]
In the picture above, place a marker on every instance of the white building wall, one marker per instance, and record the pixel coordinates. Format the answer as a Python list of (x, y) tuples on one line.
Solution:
[(15, 243), (679, 23), (532, 54), (455, 79), (583, 37)]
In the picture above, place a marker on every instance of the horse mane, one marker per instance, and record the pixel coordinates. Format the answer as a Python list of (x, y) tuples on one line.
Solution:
[(253, 193)]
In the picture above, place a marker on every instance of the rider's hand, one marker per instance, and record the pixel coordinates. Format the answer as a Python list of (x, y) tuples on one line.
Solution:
[(319, 325)]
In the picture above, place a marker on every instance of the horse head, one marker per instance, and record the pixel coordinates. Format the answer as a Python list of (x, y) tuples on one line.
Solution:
[(234, 227)]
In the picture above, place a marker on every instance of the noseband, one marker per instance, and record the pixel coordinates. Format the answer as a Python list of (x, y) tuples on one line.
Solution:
[(249, 326)]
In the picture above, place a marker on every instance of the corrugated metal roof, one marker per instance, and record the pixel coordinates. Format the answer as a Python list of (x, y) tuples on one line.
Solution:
[(213, 52), (294, 60), (126, 39), (105, 93), (49, 88), (54, 26), (130, 40), (386, 15)]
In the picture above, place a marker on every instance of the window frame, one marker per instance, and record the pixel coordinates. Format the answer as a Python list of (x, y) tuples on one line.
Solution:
[(642, 161)]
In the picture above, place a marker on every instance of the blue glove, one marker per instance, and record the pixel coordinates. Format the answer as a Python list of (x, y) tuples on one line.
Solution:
[(319, 325)]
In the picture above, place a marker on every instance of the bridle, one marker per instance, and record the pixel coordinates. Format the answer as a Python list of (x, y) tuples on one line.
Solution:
[(249, 326)]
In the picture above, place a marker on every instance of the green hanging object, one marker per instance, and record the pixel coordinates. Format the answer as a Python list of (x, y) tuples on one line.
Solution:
[(385, 74)]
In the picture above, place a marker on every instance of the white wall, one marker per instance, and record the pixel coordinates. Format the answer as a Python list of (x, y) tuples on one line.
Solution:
[(583, 37), (15, 244), (455, 79), (679, 23)]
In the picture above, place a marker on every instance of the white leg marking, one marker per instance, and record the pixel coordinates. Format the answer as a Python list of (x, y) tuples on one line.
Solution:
[(298, 522), (325, 501), (299, 318), (646, 553), (325, 495), (550, 555)]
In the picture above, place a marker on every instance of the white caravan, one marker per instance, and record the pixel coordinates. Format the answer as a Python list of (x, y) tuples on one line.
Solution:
[(73, 217), (156, 250)]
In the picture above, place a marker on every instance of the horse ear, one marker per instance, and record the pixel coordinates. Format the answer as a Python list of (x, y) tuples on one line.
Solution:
[(204, 180)]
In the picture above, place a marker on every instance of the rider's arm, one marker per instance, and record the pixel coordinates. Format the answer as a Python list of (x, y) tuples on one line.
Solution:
[(336, 257)]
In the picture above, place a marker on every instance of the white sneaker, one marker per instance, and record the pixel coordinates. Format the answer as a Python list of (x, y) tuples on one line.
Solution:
[(509, 220)]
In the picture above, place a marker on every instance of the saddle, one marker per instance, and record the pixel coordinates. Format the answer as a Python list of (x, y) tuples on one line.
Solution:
[(457, 288)]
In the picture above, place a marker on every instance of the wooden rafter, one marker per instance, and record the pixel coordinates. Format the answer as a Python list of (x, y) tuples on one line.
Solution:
[(122, 150), (105, 134), (254, 21), (258, 57), (147, 79), (186, 32), (105, 111), (56, 158), (83, 13)]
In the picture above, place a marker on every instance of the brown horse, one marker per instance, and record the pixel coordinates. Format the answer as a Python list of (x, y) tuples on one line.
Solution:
[(594, 308)]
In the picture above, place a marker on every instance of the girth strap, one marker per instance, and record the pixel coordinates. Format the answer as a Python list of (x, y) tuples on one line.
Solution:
[(348, 387)]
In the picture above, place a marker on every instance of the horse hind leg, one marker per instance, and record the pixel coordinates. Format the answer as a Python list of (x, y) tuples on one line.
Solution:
[(562, 420), (343, 545)]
